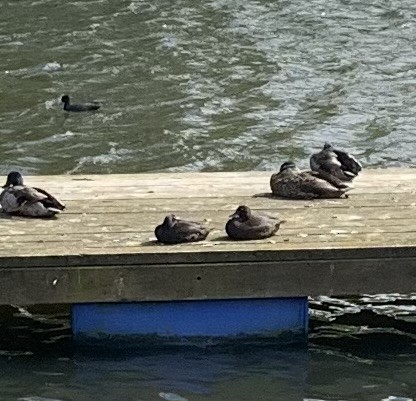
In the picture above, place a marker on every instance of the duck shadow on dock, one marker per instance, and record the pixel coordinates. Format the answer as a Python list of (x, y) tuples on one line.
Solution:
[(11, 216), (266, 195), (208, 242), (269, 195)]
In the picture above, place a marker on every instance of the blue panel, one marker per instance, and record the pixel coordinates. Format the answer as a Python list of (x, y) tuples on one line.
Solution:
[(207, 318)]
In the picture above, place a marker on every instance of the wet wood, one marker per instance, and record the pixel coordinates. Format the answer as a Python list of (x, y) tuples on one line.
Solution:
[(363, 244)]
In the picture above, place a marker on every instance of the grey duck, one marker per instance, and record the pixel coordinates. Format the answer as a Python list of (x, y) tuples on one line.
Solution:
[(336, 162)]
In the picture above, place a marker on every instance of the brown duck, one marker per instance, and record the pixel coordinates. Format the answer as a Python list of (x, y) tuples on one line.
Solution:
[(290, 182), (176, 231), (245, 224)]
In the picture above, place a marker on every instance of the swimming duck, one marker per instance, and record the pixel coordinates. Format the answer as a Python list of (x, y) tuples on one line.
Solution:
[(17, 198), (290, 182), (78, 107), (176, 231), (245, 224), (336, 162)]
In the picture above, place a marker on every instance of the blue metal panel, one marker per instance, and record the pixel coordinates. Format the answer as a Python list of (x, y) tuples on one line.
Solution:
[(206, 318)]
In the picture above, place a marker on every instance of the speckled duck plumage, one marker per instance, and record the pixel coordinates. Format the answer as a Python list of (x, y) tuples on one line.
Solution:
[(290, 182), (20, 199)]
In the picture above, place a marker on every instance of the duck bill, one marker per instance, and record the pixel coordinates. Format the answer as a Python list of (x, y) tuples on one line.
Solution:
[(7, 184), (233, 216)]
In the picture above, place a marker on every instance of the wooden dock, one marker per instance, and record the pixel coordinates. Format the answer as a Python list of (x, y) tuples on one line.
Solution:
[(102, 248)]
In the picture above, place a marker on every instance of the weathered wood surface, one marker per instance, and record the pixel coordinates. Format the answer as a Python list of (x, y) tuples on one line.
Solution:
[(103, 247)]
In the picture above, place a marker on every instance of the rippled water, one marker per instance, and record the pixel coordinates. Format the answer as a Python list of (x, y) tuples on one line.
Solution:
[(360, 349), (214, 85)]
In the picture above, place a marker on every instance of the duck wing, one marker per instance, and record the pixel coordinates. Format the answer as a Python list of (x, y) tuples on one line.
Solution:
[(300, 185), (82, 107), (317, 187), (190, 230), (181, 231), (27, 194), (348, 162), (307, 185), (256, 227), (50, 201), (331, 178), (260, 220), (267, 225)]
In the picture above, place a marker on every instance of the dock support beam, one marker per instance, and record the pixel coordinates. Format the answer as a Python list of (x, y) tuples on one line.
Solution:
[(273, 318)]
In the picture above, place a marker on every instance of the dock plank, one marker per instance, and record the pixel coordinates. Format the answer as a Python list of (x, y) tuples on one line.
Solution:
[(366, 243)]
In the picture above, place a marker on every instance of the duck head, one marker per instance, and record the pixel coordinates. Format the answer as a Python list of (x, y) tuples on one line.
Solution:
[(242, 213), (287, 165), (65, 99), (13, 178), (328, 146), (170, 220)]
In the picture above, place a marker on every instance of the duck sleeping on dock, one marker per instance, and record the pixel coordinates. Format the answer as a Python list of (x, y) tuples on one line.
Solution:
[(20, 199), (245, 224), (175, 231), (290, 182), (335, 162)]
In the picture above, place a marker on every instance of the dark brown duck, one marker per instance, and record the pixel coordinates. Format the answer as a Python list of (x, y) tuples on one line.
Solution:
[(176, 231), (245, 224)]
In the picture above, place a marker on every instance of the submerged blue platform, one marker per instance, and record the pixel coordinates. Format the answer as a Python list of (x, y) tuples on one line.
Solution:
[(265, 317)]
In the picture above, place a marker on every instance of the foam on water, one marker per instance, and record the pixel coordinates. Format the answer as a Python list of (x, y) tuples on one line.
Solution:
[(52, 67), (36, 398), (172, 397), (113, 155)]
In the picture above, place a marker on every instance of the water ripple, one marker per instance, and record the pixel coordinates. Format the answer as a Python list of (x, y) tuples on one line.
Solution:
[(237, 84)]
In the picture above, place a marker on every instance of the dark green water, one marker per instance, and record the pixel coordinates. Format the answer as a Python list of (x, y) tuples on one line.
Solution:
[(213, 85), (358, 350)]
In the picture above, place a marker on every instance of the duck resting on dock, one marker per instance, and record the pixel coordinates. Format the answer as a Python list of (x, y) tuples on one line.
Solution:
[(245, 224), (20, 199), (336, 162), (175, 231), (78, 107), (290, 182)]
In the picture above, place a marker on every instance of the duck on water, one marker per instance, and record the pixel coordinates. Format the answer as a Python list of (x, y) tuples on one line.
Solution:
[(20, 199), (78, 107)]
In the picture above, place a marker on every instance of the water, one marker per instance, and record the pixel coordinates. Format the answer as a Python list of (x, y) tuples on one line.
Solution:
[(360, 349), (215, 85), (259, 374), (208, 86)]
